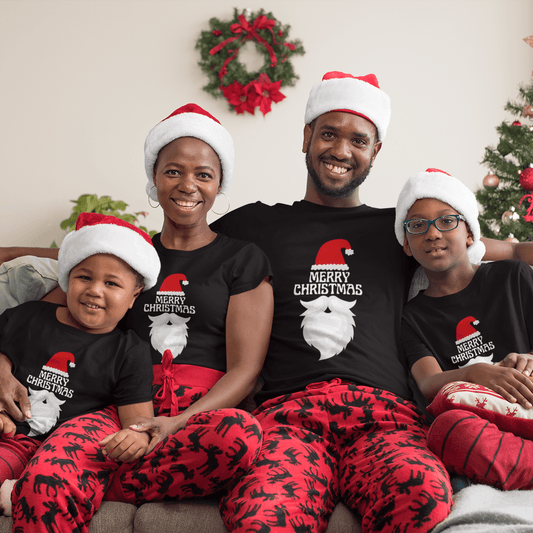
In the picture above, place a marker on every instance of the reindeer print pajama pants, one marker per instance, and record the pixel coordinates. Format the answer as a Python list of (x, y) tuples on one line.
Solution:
[(335, 442), (66, 479)]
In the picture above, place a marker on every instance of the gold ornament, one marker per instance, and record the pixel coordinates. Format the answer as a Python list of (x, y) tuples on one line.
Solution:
[(491, 180)]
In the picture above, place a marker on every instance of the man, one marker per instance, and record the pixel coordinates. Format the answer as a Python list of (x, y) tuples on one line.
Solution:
[(336, 412)]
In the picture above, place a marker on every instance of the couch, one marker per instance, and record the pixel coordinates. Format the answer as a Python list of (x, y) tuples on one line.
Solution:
[(31, 278)]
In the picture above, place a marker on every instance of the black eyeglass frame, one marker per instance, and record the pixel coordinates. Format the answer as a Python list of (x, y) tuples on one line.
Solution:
[(429, 222)]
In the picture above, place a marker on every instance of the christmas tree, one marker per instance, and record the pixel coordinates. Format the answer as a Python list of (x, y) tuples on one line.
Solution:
[(507, 194)]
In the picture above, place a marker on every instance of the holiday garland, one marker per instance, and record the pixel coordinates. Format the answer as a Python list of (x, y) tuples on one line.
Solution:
[(219, 50)]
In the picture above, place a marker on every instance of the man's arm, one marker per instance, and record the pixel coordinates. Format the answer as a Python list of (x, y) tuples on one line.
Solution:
[(497, 250), (12, 252)]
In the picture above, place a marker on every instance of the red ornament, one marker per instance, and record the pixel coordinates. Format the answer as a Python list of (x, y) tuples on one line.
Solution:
[(511, 239), (517, 123), (491, 180), (526, 179)]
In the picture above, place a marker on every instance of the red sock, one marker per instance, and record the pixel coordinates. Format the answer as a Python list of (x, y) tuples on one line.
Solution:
[(469, 445)]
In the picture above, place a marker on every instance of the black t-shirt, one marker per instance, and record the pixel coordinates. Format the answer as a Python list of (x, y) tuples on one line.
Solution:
[(186, 310), (490, 318), (341, 280), (70, 372)]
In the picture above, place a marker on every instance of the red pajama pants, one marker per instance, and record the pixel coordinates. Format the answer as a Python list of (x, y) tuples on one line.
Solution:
[(469, 445), (66, 479), (337, 441)]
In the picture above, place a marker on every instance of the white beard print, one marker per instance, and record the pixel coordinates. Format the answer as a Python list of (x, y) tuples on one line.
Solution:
[(168, 332), (329, 332), (44, 411), (479, 359)]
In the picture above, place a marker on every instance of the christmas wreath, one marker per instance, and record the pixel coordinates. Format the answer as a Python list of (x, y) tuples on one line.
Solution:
[(219, 50)]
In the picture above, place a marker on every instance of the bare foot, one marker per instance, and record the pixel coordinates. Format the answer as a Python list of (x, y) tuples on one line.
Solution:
[(5, 496)]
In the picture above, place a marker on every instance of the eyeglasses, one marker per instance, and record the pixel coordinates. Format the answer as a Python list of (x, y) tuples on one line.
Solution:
[(419, 226)]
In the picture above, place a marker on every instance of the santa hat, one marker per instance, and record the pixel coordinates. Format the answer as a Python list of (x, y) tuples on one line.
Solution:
[(440, 185), (172, 285), (103, 234), (465, 330), (330, 257), (189, 121), (59, 363), (358, 95)]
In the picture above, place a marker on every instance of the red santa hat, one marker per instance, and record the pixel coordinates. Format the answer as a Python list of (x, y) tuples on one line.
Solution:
[(190, 121), (465, 330), (434, 183), (59, 363), (172, 285), (330, 257), (104, 234), (361, 96)]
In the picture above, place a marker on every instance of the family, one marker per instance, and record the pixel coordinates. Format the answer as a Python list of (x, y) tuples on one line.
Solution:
[(152, 345)]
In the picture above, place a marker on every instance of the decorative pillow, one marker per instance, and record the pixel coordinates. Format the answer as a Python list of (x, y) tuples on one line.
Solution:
[(485, 403), (26, 278)]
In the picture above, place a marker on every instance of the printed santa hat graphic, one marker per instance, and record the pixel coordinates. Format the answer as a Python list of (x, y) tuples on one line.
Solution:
[(465, 330), (330, 256), (172, 286), (59, 363)]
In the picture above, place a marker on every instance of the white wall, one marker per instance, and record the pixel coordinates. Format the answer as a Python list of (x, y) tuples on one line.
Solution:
[(82, 82)]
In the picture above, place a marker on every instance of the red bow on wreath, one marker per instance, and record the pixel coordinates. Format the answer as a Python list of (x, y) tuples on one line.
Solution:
[(247, 32)]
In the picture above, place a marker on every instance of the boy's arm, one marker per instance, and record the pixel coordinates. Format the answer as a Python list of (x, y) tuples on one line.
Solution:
[(128, 445), (12, 252), (497, 250), (512, 384)]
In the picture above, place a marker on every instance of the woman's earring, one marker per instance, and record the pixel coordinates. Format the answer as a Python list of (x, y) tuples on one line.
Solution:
[(149, 200), (227, 209)]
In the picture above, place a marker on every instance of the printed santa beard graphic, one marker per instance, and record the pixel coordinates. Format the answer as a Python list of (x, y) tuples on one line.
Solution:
[(328, 325), (44, 411), (168, 332)]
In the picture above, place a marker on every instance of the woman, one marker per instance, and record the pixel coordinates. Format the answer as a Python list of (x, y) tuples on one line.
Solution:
[(208, 321)]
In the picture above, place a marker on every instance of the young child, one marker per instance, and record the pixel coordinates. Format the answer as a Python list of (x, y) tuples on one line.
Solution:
[(73, 359), (473, 323)]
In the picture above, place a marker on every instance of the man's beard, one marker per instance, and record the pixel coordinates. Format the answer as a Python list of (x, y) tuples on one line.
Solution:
[(345, 191)]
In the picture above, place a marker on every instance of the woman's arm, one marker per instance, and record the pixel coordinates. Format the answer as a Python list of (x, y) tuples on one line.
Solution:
[(12, 252), (512, 384), (497, 250), (248, 326), (11, 391)]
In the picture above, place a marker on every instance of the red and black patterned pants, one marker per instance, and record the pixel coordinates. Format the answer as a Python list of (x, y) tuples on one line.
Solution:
[(66, 479), (340, 442)]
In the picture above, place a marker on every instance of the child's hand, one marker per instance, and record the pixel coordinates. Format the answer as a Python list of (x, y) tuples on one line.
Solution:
[(511, 383), (7, 427), (523, 362), (125, 445), (159, 428)]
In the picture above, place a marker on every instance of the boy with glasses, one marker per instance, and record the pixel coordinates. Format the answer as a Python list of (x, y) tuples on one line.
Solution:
[(463, 325)]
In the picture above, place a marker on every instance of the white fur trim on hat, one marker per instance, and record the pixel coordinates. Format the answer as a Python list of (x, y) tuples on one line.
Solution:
[(190, 121), (102, 234), (359, 95), (437, 184)]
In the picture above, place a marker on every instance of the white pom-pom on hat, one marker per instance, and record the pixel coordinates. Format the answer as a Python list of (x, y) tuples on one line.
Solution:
[(189, 120), (434, 183), (361, 96), (104, 234)]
